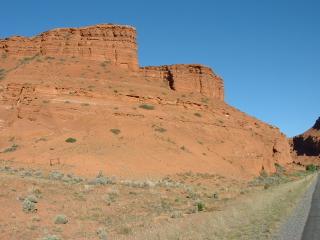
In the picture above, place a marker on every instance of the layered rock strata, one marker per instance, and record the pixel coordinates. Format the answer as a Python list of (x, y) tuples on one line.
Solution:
[(112, 43), (187, 78), (115, 44)]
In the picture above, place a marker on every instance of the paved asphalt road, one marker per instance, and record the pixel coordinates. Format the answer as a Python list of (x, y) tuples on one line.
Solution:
[(312, 228)]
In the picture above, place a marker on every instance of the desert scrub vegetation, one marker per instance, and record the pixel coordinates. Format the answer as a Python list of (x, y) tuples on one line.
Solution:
[(147, 106), (127, 204), (13, 148), (26, 60), (159, 129), (111, 196), (51, 237), (200, 206), (269, 180), (61, 219), (101, 179), (311, 168), (255, 216), (104, 64), (70, 140), (279, 177), (185, 149), (2, 73), (115, 131), (38, 174), (49, 58), (29, 204), (102, 233), (197, 114)]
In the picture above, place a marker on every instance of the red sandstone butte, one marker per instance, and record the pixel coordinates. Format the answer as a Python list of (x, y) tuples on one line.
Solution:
[(84, 82), (115, 44)]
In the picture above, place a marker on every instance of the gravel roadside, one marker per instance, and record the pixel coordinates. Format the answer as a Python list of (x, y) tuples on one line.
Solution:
[(292, 229)]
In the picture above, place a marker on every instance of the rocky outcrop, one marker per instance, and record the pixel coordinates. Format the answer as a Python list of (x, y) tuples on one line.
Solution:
[(117, 45), (187, 78), (308, 143), (113, 43)]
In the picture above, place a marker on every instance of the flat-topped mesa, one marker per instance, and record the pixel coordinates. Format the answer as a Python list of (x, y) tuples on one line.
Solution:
[(117, 45), (107, 42), (187, 78)]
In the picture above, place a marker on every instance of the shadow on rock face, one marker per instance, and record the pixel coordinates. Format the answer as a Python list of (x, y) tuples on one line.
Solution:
[(308, 143), (317, 124)]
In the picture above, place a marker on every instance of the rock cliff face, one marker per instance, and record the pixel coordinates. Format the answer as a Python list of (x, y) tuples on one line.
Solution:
[(308, 143), (187, 78), (115, 44), (112, 43)]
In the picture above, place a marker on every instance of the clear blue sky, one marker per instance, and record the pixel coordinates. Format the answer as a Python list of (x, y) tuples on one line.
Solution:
[(267, 51)]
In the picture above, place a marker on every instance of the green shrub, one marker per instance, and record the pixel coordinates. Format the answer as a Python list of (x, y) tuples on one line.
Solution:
[(55, 175), (51, 237), (192, 194), (115, 131), (61, 219), (102, 234), (200, 206), (104, 64), (176, 215), (266, 186), (279, 169), (146, 106), (124, 230), (263, 173), (28, 206), (101, 180), (71, 140), (32, 198), (111, 197), (311, 168), (160, 129)]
